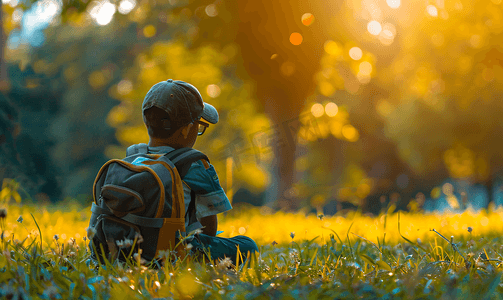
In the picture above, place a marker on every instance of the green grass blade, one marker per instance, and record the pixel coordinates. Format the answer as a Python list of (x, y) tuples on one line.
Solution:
[(39, 231)]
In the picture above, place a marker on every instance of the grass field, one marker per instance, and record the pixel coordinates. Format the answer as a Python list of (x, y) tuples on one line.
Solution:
[(44, 255)]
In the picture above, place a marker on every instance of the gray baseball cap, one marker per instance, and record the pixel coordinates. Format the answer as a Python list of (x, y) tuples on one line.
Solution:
[(182, 101)]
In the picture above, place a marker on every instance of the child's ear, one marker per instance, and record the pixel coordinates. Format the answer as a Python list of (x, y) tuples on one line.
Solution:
[(186, 130)]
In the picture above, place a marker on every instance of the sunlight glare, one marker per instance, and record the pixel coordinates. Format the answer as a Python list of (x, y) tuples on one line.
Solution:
[(393, 3), (355, 53), (126, 6), (43, 12), (432, 10), (374, 27), (102, 12)]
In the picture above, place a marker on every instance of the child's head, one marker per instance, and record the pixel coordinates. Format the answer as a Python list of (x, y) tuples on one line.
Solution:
[(172, 111)]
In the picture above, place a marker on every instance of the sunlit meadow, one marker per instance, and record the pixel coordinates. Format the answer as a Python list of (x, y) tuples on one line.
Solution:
[(304, 256)]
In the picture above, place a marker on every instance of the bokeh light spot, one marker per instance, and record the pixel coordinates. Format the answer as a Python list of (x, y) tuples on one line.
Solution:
[(317, 110), (374, 27), (332, 48), (97, 79), (187, 285), (287, 68), (124, 87), (242, 230), (363, 78), (102, 12), (211, 10), (126, 6), (384, 108), (432, 10), (447, 189), (149, 31), (365, 68), (350, 133), (213, 90), (296, 38), (307, 19), (386, 37), (355, 53), (393, 3), (326, 88), (17, 15), (274, 56), (435, 192), (331, 109), (389, 27)]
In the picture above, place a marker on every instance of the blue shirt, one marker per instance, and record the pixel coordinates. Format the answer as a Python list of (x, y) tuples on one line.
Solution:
[(203, 180)]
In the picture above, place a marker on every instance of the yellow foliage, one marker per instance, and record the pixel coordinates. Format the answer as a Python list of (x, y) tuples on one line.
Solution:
[(254, 176), (263, 227), (132, 135), (9, 191), (201, 67)]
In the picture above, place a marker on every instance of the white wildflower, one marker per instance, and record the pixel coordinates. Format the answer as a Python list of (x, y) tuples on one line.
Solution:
[(224, 263), (128, 243)]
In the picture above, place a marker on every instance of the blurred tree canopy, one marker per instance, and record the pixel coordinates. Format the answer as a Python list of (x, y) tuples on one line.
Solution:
[(320, 102)]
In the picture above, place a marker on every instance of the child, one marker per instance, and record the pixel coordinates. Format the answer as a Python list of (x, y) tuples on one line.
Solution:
[(175, 114)]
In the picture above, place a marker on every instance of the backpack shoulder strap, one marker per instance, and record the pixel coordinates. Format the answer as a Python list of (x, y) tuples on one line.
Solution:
[(184, 157), (136, 149)]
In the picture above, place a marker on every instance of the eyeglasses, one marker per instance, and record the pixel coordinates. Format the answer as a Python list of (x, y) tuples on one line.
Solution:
[(202, 127)]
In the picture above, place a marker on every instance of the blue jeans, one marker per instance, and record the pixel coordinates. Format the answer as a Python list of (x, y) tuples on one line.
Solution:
[(219, 247)]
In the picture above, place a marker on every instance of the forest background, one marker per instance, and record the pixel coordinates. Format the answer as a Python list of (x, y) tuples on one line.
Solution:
[(324, 105)]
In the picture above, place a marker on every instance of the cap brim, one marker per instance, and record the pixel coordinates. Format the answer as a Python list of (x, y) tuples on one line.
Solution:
[(210, 113)]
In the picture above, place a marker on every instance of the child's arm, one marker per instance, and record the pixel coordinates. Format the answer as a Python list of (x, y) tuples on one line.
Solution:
[(210, 224)]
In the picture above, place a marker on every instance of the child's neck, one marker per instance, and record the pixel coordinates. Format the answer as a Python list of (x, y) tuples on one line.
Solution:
[(155, 142)]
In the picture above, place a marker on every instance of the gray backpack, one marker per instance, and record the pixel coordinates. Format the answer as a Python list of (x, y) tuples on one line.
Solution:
[(139, 204)]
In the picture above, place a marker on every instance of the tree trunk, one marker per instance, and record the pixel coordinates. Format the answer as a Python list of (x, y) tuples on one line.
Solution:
[(489, 185), (283, 72)]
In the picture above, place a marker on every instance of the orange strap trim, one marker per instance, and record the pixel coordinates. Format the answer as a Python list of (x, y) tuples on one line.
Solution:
[(205, 163), (134, 168), (178, 204), (167, 234)]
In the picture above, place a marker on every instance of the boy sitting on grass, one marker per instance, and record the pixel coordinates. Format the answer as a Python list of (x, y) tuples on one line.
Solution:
[(175, 115)]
